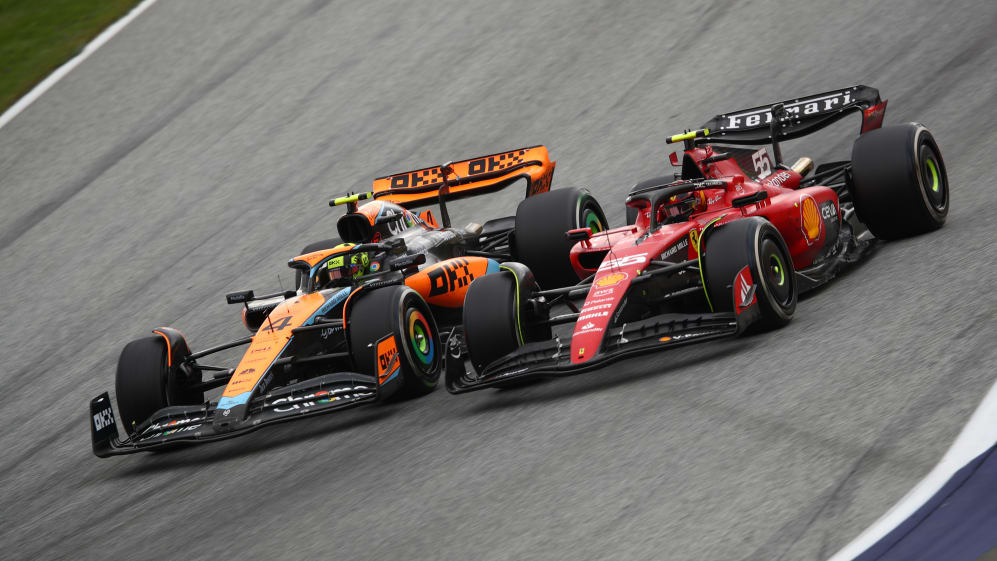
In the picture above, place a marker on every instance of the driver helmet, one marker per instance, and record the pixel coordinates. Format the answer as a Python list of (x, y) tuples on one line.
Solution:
[(342, 269), (681, 206)]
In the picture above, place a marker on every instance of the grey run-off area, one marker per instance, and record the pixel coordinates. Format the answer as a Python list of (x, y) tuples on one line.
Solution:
[(195, 152)]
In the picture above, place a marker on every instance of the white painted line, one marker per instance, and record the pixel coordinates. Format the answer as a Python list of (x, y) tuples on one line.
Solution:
[(88, 50), (978, 436)]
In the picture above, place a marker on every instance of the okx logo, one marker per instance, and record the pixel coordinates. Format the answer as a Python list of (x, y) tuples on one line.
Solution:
[(388, 361), (103, 419)]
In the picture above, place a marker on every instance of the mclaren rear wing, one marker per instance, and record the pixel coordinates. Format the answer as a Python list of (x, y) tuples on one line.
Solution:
[(420, 187), (799, 117)]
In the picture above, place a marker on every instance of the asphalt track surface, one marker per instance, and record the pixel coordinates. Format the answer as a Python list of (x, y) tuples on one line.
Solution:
[(195, 152)]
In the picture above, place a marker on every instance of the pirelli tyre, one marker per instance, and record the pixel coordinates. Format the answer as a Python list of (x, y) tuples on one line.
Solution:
[(497, 318), (899, 183), (751, 245), (393, 336), (145, 382), (491, 318), (541, 223)]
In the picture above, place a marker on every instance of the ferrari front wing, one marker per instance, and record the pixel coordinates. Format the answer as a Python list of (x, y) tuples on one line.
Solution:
[(552, 358)]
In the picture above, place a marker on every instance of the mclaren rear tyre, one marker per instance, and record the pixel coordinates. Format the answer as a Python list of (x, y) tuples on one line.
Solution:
[(145, 383), (541, 224), (753, 244), (899, 182), (393, 334)]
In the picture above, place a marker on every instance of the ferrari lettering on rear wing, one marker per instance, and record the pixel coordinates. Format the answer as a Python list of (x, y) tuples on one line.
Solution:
[(800, 116), (469, 177)]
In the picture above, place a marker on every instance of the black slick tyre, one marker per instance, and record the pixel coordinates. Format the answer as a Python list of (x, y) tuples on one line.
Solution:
[(400, 312), (754, 243), (144, 383), (491, 318), (541, 223), (899, 182)]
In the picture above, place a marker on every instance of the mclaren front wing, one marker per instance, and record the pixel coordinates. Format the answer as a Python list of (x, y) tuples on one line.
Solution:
[(171, 426)]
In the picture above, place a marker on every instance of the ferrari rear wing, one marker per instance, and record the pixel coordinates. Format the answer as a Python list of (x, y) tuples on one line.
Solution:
[(469, 177), (799, 117)]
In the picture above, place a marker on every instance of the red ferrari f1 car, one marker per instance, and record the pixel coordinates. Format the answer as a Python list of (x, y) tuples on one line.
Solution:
[(724, 246)]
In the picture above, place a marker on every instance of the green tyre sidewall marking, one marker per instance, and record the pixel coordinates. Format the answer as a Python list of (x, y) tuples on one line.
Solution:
[(779, 268), (700, 251), (592, 221), (934, 174), (589, 217), (515, 299)]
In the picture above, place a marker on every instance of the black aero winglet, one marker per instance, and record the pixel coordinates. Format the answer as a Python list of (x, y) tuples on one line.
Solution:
[(103, 429), (746, 200), (240, 297)]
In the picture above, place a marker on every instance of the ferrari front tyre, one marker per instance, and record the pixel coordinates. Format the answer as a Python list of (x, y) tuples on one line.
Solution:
[(395, 323), (491, 318), (542, 222), (756, 244), (899, 182), (143, 383)]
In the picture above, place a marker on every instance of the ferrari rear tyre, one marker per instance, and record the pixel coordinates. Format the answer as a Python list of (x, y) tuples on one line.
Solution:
[(145, 384), (899, 182), (755, 244), (541, 224), (400, 313)]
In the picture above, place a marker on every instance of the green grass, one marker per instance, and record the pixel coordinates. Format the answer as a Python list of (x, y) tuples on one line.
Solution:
[(38, 36)]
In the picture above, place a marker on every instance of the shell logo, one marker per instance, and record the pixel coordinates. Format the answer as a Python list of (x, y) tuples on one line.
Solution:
[(810, 219), (612, 279)]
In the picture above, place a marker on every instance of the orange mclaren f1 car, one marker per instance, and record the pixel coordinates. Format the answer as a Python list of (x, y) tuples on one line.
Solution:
[(364, 320)]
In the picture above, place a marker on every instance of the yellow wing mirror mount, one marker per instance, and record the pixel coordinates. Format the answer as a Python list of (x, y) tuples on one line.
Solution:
[(351, 200), (688, 137)]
